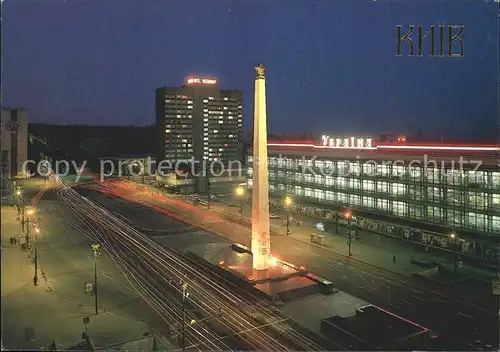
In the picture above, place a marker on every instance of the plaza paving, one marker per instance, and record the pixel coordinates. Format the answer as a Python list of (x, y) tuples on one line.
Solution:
[(34, 316)]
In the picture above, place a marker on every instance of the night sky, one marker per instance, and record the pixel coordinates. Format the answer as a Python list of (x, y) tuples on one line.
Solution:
[(331, 65)]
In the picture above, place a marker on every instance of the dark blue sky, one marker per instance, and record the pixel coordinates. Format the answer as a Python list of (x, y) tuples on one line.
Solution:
[(331, 65)]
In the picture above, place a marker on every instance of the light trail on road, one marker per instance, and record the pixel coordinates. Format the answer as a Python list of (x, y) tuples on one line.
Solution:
[(154, 271), (442, 309)]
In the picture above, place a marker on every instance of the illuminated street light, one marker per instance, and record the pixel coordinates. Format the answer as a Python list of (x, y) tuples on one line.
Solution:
[(95, 249), (184, 285), (348, 216), (25, 222), (455, 256), (240, 192), (288, 202)]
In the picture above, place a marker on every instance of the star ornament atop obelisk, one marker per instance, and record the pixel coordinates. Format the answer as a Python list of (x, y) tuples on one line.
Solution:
[(260, 70)]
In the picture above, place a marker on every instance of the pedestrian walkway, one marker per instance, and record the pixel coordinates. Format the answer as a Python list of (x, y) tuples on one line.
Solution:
[(381, 251), (34, 316)]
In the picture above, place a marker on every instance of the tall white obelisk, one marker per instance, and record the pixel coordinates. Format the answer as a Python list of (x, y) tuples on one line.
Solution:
[(261, 241)]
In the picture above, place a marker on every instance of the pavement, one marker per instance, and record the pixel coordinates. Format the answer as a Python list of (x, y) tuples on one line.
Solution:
[(468, 321), (34, 316), (368, 247)]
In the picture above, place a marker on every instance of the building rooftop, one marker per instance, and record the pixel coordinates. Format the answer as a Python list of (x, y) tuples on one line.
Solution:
[(375, 328), (487, 155)]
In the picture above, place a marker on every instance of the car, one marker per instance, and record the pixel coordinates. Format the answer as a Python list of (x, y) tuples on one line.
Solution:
[(274, 216)]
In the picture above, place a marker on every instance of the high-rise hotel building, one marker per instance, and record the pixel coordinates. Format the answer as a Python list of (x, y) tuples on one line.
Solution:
[(200, 121)]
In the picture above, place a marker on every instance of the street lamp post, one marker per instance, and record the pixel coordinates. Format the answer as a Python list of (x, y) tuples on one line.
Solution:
[(454, 237), (185, 295), (241, 193), (143, 172), (26, 223), (21, 212), (35, 276), (288, 202), (95, 249), (348, 216), (336, 222), (18, 197)]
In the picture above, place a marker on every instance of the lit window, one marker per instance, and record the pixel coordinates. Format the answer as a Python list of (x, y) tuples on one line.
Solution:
[(168, 131), (211, 98), (215, 131), (225, 107), (190, 102), (205, 148), (220, 149), (185, 140), (205, 100), (205, 110), (240, 107), (210, 150), (225, 98), (221, 122), (231, 136), (240, 125), (178, 116), (190, 106), (230, 117), (167, 100), (205, 139), (205, 120)]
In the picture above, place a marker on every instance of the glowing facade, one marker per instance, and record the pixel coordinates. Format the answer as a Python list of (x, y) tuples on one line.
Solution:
[(260, 196), (199, 120), (444, 188)]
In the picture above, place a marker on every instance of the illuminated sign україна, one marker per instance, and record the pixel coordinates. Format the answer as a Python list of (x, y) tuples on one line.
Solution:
[(346, 142)]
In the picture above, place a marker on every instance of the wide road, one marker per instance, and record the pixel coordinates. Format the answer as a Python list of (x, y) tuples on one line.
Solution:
[(223, 318), (463, 324)]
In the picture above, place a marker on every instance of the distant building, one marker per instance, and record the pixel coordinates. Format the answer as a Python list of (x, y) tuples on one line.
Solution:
[(416, 192), (14, 130), (199, 122)]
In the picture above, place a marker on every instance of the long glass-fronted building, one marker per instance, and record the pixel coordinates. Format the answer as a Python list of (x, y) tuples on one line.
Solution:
[(452, 188)]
